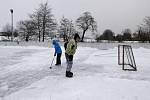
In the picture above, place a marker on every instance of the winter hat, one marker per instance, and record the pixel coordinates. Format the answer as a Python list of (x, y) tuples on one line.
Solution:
[(76, 36), (54, 42)]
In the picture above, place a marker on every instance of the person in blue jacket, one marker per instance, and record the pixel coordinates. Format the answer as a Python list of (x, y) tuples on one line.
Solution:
[(58, 52)]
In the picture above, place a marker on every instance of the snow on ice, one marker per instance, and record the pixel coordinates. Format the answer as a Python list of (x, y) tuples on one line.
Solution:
[(25, 75)]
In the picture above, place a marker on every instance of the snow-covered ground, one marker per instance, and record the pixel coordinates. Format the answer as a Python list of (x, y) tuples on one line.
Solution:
[(25, 75)]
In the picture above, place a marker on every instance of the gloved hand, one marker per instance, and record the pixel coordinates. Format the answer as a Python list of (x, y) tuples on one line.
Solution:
[(72, 46), (54, 54)]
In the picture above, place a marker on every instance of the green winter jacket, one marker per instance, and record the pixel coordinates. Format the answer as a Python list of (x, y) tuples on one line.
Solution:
[(71, 47)]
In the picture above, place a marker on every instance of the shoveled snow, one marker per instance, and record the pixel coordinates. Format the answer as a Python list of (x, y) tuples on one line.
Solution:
[(25, 75)]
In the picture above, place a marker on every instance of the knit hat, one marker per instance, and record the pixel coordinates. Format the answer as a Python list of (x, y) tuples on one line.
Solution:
[(76, 36), (54, 42)]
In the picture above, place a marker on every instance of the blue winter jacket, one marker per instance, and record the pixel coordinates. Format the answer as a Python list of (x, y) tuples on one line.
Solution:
[(57, 47)]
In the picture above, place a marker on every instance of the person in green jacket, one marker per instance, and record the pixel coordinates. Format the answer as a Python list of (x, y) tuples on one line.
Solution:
[(70, 51)]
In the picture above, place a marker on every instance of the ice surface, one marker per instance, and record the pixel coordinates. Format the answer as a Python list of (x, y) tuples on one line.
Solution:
[(25, 75)]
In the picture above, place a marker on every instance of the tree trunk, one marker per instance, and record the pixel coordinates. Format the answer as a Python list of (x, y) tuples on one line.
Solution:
[(39, 36), (43, 34), (43, 28), (27, 38), (83, 35), (39, 32)]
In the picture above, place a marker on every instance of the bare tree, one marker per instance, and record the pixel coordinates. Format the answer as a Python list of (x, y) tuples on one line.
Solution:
[(86, 22), (126, 34), (141, 34), (146, 27), (147, 21), (46, 19), (27, 29), (143, 31), (35, 17), (66, 28)]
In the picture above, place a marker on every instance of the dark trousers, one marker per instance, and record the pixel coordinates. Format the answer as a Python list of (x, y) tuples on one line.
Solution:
[(58, 59), (69, 59)]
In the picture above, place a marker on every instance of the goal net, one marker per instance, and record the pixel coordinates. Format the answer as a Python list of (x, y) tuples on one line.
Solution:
[(126, 58)]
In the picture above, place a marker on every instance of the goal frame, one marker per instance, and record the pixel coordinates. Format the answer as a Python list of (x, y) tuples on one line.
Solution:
[(126, 51)]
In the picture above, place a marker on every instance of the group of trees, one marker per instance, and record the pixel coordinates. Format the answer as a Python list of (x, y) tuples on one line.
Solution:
[(38, 25), (142, 34), (110, 35), (84, 23), (66, 28), (41, 24)]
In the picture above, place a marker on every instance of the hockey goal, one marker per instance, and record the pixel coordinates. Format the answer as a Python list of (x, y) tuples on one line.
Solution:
[(126, 58)]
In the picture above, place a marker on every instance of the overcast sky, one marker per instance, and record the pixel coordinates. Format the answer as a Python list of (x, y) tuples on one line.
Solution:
[(109, 14)]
